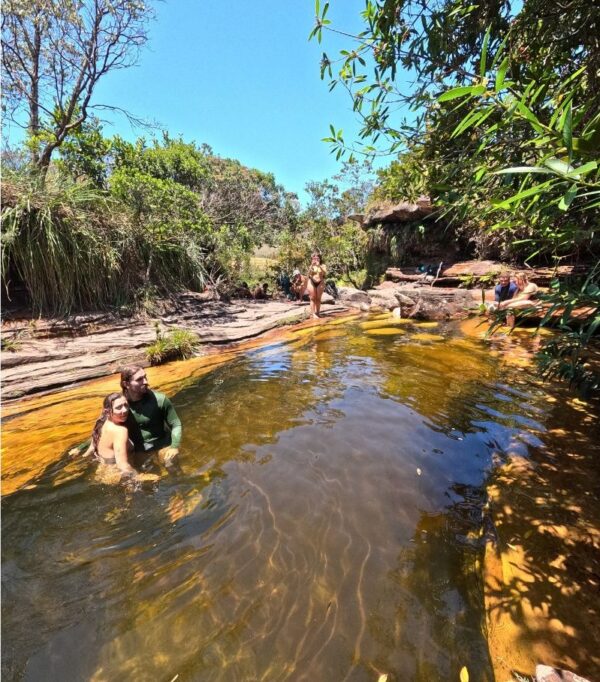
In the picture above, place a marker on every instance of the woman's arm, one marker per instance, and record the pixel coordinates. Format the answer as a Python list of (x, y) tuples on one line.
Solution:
[(79, 451)]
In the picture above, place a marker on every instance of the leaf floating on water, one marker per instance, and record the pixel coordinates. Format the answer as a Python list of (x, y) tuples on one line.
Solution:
[(464, 674), (383, 678), (418, 471), (427, 325)]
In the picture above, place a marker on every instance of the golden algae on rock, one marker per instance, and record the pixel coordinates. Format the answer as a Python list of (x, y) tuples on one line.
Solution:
[(424, 336), (329, 334), (427, 325), (384, 331), (390, 322)]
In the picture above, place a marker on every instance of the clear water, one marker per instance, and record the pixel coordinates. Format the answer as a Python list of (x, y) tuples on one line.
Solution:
[(326, 524)]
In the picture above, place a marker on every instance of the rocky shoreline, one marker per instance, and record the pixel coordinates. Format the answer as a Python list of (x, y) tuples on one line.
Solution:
[(52, 353)]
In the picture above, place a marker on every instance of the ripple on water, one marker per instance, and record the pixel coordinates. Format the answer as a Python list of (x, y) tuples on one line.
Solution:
[(324, 524)]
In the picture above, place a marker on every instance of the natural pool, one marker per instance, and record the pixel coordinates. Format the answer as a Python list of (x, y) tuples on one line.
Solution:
[(327, 522)]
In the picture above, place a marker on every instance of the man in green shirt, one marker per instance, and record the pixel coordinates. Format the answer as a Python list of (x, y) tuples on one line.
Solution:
[(153, 423)]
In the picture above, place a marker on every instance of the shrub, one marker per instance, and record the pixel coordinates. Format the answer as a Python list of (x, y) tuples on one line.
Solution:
[(178, 344)]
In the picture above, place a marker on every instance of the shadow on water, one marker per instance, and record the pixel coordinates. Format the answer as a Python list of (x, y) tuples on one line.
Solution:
[(326, 524)]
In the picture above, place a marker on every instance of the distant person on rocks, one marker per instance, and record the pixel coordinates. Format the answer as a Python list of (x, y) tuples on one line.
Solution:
[(503, 291), (243, 291), (316, 283), (298, 285), (153, 423), (285, 284), (526, 297), (260, 292)]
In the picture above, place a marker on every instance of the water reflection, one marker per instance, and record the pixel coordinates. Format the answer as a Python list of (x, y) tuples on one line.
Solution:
[(325, 524)]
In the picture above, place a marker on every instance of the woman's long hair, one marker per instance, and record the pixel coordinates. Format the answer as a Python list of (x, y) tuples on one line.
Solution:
[(107, 408)]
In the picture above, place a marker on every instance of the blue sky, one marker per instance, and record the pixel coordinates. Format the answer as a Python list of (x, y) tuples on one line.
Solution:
[(242, 77)]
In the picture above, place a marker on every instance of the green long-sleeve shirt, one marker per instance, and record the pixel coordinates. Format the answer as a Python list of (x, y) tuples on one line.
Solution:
[(153, 422)]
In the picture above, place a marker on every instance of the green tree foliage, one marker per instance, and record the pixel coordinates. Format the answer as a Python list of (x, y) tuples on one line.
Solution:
[(84, 153), (167, 215), (53, 56), (324, 225), (505, 130)]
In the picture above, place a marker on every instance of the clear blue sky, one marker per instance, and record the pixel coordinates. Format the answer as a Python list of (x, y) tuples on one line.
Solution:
[(241, 76)]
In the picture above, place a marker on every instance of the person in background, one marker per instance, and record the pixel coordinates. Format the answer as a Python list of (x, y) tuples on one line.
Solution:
[(316, 283), (505, 289), (298, 285), (153, 422), (285, 284), (260, 292), (525, 297), (243, 291)]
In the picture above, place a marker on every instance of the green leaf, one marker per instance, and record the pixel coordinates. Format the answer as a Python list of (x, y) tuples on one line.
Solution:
[(484, 49), (501, 74), (567, 199), (523, 195), (473, 119), (583, 170), (530, 116), (522, 169), (567, 131), (473, 90), (558, 166)]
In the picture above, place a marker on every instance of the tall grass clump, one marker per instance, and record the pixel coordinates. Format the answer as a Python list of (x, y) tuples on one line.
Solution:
[(58, 240), (75, 247), (178, 344)]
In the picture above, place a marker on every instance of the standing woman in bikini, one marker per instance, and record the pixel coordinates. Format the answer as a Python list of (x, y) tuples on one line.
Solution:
[(316, 283)]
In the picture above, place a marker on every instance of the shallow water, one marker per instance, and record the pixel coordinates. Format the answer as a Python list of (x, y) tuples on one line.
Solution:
[(326, 523)]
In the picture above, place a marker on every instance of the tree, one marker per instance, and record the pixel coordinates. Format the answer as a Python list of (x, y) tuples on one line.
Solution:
[(507, 98), (54, 54)]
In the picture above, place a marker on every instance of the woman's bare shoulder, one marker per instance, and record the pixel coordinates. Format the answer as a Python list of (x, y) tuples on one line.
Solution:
[(116, 430)]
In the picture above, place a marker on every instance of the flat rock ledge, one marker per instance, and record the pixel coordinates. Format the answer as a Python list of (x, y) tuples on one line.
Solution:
[(50, 354), (54, 353)]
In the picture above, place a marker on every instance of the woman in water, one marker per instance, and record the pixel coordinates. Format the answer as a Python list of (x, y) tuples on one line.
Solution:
[(316, 283), (110, 438)]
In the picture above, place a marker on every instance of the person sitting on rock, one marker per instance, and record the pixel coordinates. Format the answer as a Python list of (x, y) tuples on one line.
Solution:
[(243, 291), (526, 297), (298, 285), (503, 291), (260, 292)]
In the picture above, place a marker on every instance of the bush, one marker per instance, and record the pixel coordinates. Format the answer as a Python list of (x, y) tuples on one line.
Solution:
[(178, 344)]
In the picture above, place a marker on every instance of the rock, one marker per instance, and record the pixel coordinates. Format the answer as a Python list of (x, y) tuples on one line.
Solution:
[(327, 298), (383, 298), (402, 212), (474, 268), (93, 346), (352, 297), (546, 673), (403, 299)]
